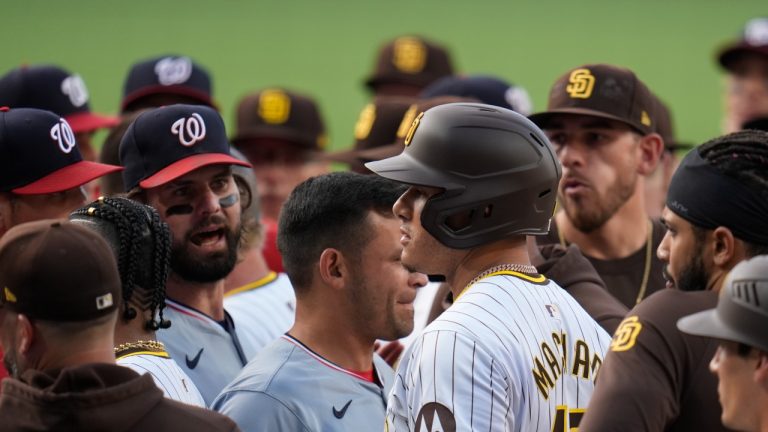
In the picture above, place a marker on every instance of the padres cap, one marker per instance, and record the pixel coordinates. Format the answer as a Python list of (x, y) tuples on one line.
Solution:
[(38, 154), (277, 113), (410, 60), (55, 270), (167, 142), (53, 89), (741, 314), (169, 74), (754, 40), (602, 91), (485, 88)]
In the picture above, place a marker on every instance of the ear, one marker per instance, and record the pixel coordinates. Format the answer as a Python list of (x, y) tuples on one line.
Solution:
[(5, 213), (651, 147), (333, 267), (761, 370), (25, 334), (724, 248)]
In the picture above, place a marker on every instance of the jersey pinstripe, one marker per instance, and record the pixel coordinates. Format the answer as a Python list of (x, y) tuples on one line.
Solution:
[(209, 352), (167, 375), (262, 310), (513, 353)]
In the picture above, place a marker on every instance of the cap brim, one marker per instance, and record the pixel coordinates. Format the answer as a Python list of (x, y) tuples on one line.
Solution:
[(88, 121), (67, 178), (354, 156), (405, 169), (191, 163), (730, 54), (543, 118), (708, 324)]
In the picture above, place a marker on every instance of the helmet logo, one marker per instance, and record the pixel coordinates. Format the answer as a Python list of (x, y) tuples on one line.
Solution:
[(580, 84), (189, 129), (405, 123), (62, 133), (412, 130), (172, 70), (74, 87), (365, 122), (409, 55), (274, 106)]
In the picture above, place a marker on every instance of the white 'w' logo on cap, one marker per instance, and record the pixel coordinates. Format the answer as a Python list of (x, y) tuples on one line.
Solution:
[(62, 133), (172, 70), (189, 129)]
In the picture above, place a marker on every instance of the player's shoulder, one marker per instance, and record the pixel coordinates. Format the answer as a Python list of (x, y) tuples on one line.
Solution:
[(668, 304), (188, 417)]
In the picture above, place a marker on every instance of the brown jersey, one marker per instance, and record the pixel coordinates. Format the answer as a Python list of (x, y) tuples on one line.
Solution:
[(654, 377), (623, 277)]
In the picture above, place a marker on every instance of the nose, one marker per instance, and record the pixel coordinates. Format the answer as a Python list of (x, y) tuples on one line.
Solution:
[(714, 364), (208, 202), (571, 154), (662, 252), (402, 208), (417, 280)]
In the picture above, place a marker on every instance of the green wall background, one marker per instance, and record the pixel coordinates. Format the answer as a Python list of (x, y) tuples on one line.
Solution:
[(326, 48)]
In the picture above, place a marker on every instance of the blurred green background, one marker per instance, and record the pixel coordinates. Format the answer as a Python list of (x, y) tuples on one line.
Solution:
[(326, 48)]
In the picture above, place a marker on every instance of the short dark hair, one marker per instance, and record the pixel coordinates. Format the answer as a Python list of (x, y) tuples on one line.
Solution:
[(742, 156), (330, 211), (112, 184)]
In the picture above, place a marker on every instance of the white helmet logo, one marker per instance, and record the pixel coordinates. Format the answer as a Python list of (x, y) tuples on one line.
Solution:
[(62, 133), (74, 87), (173, 70), (189, 129)]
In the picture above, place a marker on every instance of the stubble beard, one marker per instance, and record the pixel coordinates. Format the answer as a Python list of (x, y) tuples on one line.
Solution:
[(210, 268), (587, 218)]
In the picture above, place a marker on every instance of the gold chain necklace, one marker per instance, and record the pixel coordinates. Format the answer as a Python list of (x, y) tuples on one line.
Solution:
[(648, 254), (149, 345), (519, 268)]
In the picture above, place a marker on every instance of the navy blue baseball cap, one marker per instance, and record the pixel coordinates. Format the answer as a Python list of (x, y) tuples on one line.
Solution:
[(168, 74), (39, 155), (484, 88), (54, 89), (165, 143)]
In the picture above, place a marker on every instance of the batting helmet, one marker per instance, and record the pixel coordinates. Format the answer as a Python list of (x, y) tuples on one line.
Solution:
[(493, 164)]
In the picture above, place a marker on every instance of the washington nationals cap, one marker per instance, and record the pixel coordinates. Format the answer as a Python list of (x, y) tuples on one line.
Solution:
[(601, 90), (167, 142), (38, 154), (281, 114), (54, 89), (485, 88), (168, 74), (741, 314), (55, 270), (754, 40), (411, 60)]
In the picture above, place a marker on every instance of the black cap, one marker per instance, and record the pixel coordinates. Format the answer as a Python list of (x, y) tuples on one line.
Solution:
[(484, 88), (754, 40)]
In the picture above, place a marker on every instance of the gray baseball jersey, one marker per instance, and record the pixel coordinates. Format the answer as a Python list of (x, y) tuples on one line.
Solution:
[(167, 374), (513, 353), (208, 351), (288, 387), (263, 310)]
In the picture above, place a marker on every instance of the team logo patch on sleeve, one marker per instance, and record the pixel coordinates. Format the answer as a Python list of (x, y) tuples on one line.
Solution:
[(626, 335), (580, 84), (435, 417)]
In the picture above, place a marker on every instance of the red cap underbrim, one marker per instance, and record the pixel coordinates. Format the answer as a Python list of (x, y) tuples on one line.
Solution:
[(88, 121), (66, 178), (191, 163)]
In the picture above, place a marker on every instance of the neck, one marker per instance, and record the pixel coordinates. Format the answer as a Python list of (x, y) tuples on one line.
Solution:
[(133, 330), (206, 297), (320, 326), (102, 351), (477, 260), (620, 236), (252, 267)]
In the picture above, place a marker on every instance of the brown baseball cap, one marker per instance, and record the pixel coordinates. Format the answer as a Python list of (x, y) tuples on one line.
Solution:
[(754, 40), (411, 60), (56, 270), (665, 127), (601, 90), (279, 113)]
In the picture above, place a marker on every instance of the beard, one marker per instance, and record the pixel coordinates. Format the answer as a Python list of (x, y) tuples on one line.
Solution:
[(587, 215), (694, 276), (210, 268)]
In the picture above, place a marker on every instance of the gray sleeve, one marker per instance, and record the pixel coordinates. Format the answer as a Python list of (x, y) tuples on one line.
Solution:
[(258, 411)]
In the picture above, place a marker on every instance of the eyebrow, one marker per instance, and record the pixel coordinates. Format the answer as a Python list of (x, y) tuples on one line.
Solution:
[(596, 123)]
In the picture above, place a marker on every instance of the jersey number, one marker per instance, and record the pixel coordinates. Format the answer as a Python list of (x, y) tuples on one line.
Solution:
[(567, 420)]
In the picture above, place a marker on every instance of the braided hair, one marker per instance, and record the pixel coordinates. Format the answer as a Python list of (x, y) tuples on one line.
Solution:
[(742, 156), (141, 242)]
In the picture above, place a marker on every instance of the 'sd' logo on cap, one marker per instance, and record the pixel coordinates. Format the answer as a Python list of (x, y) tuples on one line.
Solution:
[(9, 296), (274, 106), (580, 84), (74, 87), (365, 122), (173, 70), (409, 55), (62, 133), (189, 129), (412, 130), (626, 335)]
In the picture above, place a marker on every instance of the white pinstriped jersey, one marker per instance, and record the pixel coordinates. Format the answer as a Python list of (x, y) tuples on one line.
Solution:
[(167, 375), (263, 311), (513, 353)]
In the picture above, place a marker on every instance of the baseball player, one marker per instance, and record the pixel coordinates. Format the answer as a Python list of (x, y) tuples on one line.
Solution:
[(177, 160), (340, 246), (514, 352), (738, 323), (655, 377), (142, 247)]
